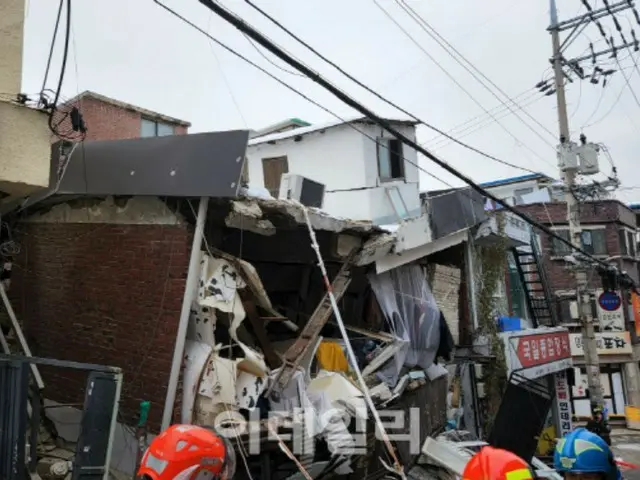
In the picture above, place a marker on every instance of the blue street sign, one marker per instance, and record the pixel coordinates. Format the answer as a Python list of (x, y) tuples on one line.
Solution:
[(609, 301)]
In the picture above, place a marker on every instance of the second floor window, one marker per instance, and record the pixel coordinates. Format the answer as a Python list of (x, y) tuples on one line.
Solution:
[(390, 159), (627, 242), (153, 128), (519, 193), (593, 242)]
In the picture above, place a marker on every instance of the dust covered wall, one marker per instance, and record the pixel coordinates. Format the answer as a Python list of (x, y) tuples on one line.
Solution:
[(102, 292)]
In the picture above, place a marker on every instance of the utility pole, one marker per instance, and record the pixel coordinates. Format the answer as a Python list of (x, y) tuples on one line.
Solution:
[(569, 171)]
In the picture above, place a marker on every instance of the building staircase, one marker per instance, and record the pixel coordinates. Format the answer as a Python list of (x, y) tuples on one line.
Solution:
[(532, 273)]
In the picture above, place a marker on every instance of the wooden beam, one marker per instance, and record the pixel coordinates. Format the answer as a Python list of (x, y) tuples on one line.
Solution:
[(259, 329)]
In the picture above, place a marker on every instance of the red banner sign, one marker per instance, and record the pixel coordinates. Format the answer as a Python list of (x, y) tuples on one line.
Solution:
[(542, 348)]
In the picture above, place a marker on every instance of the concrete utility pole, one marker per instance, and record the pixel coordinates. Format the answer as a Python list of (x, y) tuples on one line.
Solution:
[(569, 173)]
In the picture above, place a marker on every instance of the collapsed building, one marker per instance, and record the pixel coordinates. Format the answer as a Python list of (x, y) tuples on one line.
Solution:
[(100, 276), (147, 287)]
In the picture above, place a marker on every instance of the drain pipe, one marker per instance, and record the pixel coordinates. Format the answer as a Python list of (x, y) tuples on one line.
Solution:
[(189, 294)]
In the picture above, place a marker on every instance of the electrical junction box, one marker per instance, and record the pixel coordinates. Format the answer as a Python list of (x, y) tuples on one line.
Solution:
[(588, 155), (567, 156), (302, 190)]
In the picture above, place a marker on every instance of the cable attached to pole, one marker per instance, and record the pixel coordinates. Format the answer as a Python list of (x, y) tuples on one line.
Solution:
[(378, 95), (249, 30)]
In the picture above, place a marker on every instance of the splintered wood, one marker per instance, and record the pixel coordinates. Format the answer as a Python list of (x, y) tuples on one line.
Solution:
[(312, 329)]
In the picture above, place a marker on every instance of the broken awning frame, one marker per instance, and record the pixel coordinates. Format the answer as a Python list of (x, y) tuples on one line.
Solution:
[(195, 165)]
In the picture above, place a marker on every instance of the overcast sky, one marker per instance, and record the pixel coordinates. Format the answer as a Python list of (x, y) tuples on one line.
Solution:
[(137, 52)]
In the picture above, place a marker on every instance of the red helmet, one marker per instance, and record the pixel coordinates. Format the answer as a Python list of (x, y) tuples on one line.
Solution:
[(188, 452), (496, 464)]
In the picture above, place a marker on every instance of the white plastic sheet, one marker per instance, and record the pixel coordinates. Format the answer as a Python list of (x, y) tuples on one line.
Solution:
[(413, 317)]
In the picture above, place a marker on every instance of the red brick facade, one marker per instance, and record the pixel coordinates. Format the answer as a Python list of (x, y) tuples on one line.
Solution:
[(112, 121), (609, 213), (104, 294)]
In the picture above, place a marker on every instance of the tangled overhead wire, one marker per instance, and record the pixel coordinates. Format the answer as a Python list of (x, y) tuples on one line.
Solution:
[(65, 120)]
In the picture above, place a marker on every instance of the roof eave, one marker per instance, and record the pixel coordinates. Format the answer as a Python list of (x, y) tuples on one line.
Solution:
[(128, 106)]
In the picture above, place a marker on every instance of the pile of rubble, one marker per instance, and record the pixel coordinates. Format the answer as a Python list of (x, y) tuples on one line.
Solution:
[(54, 457), (257, 380)]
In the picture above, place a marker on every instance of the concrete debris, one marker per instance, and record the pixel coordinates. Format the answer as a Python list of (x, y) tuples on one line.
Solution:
[(255, 210), (60, 469), (240, 380), (54, 457), (248, 216), (424, 472)]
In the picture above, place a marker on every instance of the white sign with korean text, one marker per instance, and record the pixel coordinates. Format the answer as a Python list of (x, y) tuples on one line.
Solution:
[(608, 343), (563, 404)]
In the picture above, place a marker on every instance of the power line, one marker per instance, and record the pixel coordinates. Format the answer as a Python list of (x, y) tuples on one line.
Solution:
[(378, 95), (597, 107), (480, 118), (245, 28), (53, 43), (611, 108), (610, 42), (286, 85), (257, 49), (487, 122), (225, 79), (454, 80), (434, 34)]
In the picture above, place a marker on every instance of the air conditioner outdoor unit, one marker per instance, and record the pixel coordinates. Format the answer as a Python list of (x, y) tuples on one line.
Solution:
[(301, 189)]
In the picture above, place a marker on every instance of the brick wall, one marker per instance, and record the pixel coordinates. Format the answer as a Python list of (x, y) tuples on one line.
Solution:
[(610, 213), (590, 212), (106, 121), (561, 278), (105, 294)]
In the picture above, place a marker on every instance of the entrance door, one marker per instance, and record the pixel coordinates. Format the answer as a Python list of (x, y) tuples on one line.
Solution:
[(618, 392), (612, 389), (272, 170)]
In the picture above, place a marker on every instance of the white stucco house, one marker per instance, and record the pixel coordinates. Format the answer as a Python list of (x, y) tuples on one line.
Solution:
[(531, 188), (368, 174)]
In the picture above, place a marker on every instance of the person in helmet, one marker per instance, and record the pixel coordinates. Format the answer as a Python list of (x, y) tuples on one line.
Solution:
[(584, 455), (599, 425), (496, 464), (188, 452)]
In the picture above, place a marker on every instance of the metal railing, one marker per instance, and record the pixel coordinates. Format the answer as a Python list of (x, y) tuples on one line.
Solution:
[(20, 414)]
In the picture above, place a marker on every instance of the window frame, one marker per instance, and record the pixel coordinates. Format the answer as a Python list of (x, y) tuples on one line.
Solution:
[(265, 162), (585, 228), (629, 250), (394, 205), (399, 154), (518, 193), (156, 123)]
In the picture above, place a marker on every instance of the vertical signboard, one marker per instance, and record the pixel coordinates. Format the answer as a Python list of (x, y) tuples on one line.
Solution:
[(563, 403), (635, 304)]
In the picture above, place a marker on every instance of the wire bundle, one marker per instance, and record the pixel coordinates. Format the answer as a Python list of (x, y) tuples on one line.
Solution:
[(65, 120)]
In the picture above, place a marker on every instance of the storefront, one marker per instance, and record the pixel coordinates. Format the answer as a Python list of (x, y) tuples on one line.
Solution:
[(614, 350), (538, 353)]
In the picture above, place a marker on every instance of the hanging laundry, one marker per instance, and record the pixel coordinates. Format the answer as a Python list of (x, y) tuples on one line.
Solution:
[(331, 357)]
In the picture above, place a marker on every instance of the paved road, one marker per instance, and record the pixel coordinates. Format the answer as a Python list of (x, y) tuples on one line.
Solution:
[(627, 446)]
